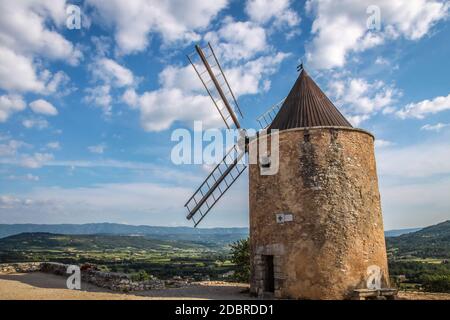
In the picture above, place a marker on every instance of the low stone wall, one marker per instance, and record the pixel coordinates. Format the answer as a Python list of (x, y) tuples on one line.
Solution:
[(20, 267), (111, 280)]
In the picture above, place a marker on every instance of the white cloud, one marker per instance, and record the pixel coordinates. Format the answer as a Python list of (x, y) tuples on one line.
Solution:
[(9, 148), (35, 160), (31, 177), (8, 201), (131, 98), (263, 11), (10, 154), (181, 96), (102, 45), (25, 77), (183, 78), (27, 177), (43, 107), (381, 61), (237, 40), (55, 145), (10, 104), (136, 203), (414, 183), (133, 22), (98, 149), (420, 109), (24, 29), (421, 160), (251, 77), (380, 143), (109, 71), (101, 97), (234, 41), (110, 74), (356, 120), (360, 99), (160, 109), (340, 27), (435, 127), (28, 33), (141, 202), (179, 99), (57, 84), (416, 204), (37, 123)]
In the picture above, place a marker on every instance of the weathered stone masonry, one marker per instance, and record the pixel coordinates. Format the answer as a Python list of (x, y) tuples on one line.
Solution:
[(327, 183)]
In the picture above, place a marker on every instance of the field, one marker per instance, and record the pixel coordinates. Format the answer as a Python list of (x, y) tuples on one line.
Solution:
[(417, 260), (130, 254), (420, 260)]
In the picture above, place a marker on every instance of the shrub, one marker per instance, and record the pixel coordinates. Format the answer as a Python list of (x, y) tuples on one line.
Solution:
[(142, 275), (436, 283), (240, 256)]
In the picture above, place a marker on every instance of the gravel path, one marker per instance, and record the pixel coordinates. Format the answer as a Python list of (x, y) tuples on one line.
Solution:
[(43, 286)]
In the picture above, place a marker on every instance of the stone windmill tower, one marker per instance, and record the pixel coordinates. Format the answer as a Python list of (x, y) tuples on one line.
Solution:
[(316, 229)]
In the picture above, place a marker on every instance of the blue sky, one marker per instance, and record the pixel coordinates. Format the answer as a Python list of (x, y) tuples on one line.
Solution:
[(86, 115)]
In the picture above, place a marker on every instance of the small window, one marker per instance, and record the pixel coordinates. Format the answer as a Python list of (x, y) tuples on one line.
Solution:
[(307, 137)]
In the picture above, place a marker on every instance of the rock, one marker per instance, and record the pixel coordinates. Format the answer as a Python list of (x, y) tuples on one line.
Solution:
[(111, 280)]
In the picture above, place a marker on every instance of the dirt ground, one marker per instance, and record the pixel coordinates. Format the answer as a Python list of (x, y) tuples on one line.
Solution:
[(413, 295), (42, 286)]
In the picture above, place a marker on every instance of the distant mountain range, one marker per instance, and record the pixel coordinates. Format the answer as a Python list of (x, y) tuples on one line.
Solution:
[(216, 235), (399, 232), (49, 241), (432, 241), (175, 233)]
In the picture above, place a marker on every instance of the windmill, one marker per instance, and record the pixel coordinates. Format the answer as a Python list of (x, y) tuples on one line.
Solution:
[(316, 228), (207, 66)]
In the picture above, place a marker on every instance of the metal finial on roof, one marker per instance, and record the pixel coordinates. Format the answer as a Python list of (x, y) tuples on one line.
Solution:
[(300, 67)]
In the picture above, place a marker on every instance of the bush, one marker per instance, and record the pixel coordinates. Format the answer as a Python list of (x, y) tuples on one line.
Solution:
[(240, 256), (436, 283), (142, 275)]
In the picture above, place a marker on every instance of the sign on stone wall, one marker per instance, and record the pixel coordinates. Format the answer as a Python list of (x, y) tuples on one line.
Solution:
[(284, 217)]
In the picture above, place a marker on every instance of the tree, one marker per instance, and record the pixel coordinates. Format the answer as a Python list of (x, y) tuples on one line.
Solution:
[(436, 283), (142, 275), (240, 256)]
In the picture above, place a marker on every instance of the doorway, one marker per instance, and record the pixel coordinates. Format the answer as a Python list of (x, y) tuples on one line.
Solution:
[(269, 277)]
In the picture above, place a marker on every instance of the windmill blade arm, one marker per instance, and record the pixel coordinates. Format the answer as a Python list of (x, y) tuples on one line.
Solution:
[(226, 80), (267, 117), (210, 72), (216, 184)]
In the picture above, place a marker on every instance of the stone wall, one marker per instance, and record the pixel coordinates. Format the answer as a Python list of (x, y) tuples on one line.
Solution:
[(110, 280), (24, 267), (327, 189)]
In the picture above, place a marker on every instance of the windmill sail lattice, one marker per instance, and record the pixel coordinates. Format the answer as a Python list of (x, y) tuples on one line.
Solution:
[(208, 69), (267, 117), (210, 72), (216, 184)]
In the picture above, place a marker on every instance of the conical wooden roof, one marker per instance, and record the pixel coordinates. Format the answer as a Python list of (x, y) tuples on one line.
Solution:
[(307, 106)]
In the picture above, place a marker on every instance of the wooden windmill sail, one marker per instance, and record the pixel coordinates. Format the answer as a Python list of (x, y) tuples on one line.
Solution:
[(232, 165), (305, 106), (325, 189)]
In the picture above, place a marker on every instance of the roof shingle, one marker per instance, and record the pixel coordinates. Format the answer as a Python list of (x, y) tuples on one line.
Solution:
[(307, 106)]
